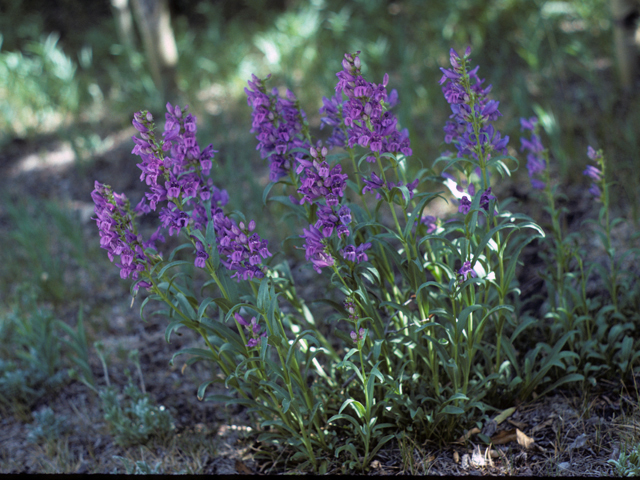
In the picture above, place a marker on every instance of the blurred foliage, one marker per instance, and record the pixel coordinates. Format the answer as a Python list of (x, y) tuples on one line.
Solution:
[(30, 360), (132, 417), (553, 55), (46, 250)]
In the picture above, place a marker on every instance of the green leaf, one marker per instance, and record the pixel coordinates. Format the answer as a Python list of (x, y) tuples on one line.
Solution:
[(174, 264), (452, 410), (187, 309), (203, 307), (172, 327), (266, 191), (224, 304), (357, 406)]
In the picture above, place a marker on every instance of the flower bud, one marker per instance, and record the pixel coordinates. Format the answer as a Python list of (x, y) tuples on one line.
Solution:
[(356, 62)]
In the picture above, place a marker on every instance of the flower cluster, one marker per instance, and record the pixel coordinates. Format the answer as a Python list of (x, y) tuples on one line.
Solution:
[(254, 330), (239, 249), (377, 183), (118, 234), (279, 124), (315, 249), (536, 163), (367, 122), (358, 337), (463, 91), (356, 254), (175, 169), (594, 173), (331, 112)]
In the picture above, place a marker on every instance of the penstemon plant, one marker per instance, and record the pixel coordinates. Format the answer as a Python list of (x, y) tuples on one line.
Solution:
[(423, 307)]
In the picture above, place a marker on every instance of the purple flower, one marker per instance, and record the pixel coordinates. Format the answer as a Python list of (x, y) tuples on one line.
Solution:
[(430, 222), (241, 320), (363, 114), (332, 116), (357, 337), (467, 270), (465, 205), (315, 249), (593, 155), (278, 123), (485, 198), (467, 103), (356, 254), (528, 124), (373, 184), (253, 329), (593, 173), (201, 256), (595, 191), (118, 236), (320, 180), (536, 163)]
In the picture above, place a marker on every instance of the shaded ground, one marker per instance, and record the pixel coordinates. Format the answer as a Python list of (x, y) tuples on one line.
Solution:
[(571, 435)]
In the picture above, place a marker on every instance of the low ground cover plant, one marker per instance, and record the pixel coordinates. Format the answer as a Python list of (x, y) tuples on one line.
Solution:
[(426, 328)]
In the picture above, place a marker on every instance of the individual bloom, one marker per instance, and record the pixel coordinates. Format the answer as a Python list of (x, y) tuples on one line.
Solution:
[(349, 253), (431, 222), (538, 184), (485, 198), (593, 173), (361, 256), (465, 205), (241, 319), (595, 191), (466, 270), (357, 337), (593, 154), (373, 184), (528, 124), (201, 256)]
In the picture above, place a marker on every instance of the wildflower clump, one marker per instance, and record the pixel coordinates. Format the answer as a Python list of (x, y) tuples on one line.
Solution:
[(419, 323)]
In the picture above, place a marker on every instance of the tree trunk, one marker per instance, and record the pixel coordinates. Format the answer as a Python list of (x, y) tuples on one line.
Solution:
[(124, 23), (154, 22), (625, 15)]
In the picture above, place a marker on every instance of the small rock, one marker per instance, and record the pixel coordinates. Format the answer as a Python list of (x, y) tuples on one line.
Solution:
[(579, 442), (564, 466), (490, 428)]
